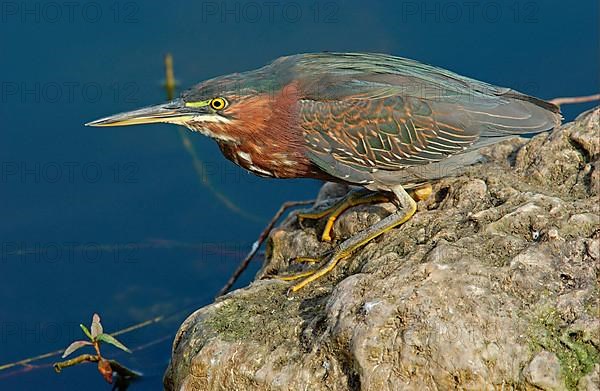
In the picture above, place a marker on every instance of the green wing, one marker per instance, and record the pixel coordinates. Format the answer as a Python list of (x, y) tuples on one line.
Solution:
[(385, 133), (362, 113)]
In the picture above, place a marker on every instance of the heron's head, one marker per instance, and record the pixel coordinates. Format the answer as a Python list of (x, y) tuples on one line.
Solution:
[(223, 108)]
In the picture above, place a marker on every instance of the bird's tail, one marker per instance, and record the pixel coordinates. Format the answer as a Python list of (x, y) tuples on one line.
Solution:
[(519, 114), (532, 99)]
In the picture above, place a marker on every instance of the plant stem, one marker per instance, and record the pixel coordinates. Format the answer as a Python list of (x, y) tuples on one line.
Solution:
[(115, 365)]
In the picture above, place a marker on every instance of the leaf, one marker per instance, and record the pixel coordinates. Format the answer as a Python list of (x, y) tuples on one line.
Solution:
[(113, 341), (86, 331), (74, 346), (96, 326)]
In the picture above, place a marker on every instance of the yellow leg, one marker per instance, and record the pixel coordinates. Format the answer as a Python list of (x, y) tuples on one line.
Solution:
[(306, 260), (296, 276), (408, 209), (349, 203), (324, 212), (355, 198)]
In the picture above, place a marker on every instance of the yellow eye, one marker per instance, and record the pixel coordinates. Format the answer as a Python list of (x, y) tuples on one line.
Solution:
[(218, 103)]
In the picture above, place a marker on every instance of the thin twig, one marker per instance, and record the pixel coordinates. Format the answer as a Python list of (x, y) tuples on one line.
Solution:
[(138, 326), (262, 237), (122, 370), (575, 99), (31, 359)]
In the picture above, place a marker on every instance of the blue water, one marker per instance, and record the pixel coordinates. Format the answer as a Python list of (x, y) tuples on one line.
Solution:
[(116, 221)]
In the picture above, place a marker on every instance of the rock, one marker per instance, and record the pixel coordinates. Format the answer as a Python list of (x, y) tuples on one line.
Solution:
[(591, 381), (544, 372), (493, 284)]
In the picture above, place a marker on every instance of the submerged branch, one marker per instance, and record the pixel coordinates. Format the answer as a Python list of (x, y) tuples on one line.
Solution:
[(575, 99)]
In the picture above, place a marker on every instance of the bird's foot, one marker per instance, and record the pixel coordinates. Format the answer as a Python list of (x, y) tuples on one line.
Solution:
[(355, 198), (407, 208), (312, 275), (307, 273)]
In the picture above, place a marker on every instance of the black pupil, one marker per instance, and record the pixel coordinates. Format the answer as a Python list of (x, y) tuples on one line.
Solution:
[(218, 104)]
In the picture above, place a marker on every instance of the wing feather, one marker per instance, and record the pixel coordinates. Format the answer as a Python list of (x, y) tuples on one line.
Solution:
[(368, 113)]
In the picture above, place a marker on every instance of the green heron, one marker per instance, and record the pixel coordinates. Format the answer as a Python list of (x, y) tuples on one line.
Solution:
[(384, 124)]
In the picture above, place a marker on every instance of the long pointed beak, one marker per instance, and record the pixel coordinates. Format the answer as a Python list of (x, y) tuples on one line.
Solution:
[(172, 112)]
